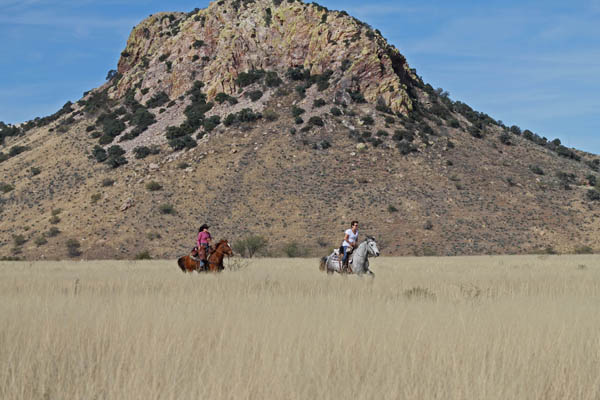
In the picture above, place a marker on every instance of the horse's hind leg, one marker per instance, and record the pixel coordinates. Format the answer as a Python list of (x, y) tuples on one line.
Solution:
[(181, 264)]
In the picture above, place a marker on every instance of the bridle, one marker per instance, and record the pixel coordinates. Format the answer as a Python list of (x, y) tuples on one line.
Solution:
[(220, 252)]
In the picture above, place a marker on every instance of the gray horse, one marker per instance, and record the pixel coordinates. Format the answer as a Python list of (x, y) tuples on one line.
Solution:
[(359, 259)]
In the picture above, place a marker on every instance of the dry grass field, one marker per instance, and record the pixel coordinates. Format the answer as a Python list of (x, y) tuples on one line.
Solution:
[(522, 327)]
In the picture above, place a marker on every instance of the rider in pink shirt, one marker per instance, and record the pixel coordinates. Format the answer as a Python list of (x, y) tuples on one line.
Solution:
[(204, 240)]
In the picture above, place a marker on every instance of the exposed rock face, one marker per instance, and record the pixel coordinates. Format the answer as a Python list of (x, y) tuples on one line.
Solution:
[(168, 51)]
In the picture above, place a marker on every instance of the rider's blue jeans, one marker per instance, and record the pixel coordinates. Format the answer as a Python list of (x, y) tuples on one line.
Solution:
[(345, 254)]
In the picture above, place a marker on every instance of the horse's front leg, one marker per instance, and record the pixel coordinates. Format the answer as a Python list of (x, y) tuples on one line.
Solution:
[(367, 270)]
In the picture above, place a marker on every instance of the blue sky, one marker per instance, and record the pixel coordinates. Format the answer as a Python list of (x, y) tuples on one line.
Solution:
[(535, 64)]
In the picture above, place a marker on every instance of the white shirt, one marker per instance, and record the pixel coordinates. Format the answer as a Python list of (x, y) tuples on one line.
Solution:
[(352, 237)]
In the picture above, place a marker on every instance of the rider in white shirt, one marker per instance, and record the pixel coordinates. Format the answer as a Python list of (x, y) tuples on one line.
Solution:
[(350, 240)]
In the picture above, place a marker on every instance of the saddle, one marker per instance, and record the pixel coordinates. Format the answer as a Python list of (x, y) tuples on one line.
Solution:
[(199, 253), (339, 255)]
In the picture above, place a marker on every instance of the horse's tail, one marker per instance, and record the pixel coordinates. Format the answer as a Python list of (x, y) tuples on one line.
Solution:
[(181, 263), (323, 264)]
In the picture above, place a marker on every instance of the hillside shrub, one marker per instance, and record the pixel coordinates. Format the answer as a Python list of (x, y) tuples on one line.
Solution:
[(475, 132), (116, 156), (229, 120), (592, 179), (8, 131), (356, 96), (405, 147), (505, 138), (403, 135), (250, 245), (6, 187), (293, 249), (515, 130), (297, 111), (95, 103), (298, 120), (158, 100), (254, 95), (107, 182), (367, 120), (223, 97), (142, 119), (73, 247), (144, 255), (316, 121), (453, 123), (153, 186), (319, 103), (301, 90), (35, 171), (583, 250), (268, 16), (272, 79), (144, 151), (19, 240), (593, 195), (99, 154), (536, 169), (211, 123), (183, 142), (270, 115), (105, 139), (166, 209), (566, 152), (245, 115), (16, 150), (298, 74), (322, 80), (53, 231), (565, 178), (247, 78), (336, 112), (40, 241)]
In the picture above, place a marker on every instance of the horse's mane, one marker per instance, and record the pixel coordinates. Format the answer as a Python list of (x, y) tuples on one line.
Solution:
[(220, 242)]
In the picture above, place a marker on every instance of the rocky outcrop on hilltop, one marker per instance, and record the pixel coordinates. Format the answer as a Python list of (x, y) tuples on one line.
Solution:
[(169, 51)]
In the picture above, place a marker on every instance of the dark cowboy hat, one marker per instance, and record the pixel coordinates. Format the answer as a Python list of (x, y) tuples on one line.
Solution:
[(203, 227)]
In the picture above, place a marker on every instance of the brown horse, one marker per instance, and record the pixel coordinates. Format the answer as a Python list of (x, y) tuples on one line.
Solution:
[(215, 259)]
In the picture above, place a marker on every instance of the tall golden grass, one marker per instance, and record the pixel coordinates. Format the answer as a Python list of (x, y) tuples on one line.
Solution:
[(424, 328)]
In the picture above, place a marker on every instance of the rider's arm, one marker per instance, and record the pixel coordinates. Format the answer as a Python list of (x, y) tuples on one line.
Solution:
[(347, 239)]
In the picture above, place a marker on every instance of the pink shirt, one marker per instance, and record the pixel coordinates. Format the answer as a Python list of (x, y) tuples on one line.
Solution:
[(203, 237)]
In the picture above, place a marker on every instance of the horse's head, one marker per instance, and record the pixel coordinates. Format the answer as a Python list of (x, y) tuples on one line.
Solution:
[(372, 246), (224, 247)]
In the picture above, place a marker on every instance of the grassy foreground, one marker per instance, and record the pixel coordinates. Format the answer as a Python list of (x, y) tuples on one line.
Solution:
[(425, 328)]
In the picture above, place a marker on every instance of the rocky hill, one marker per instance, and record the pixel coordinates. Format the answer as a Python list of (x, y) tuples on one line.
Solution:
[(285, 120)]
